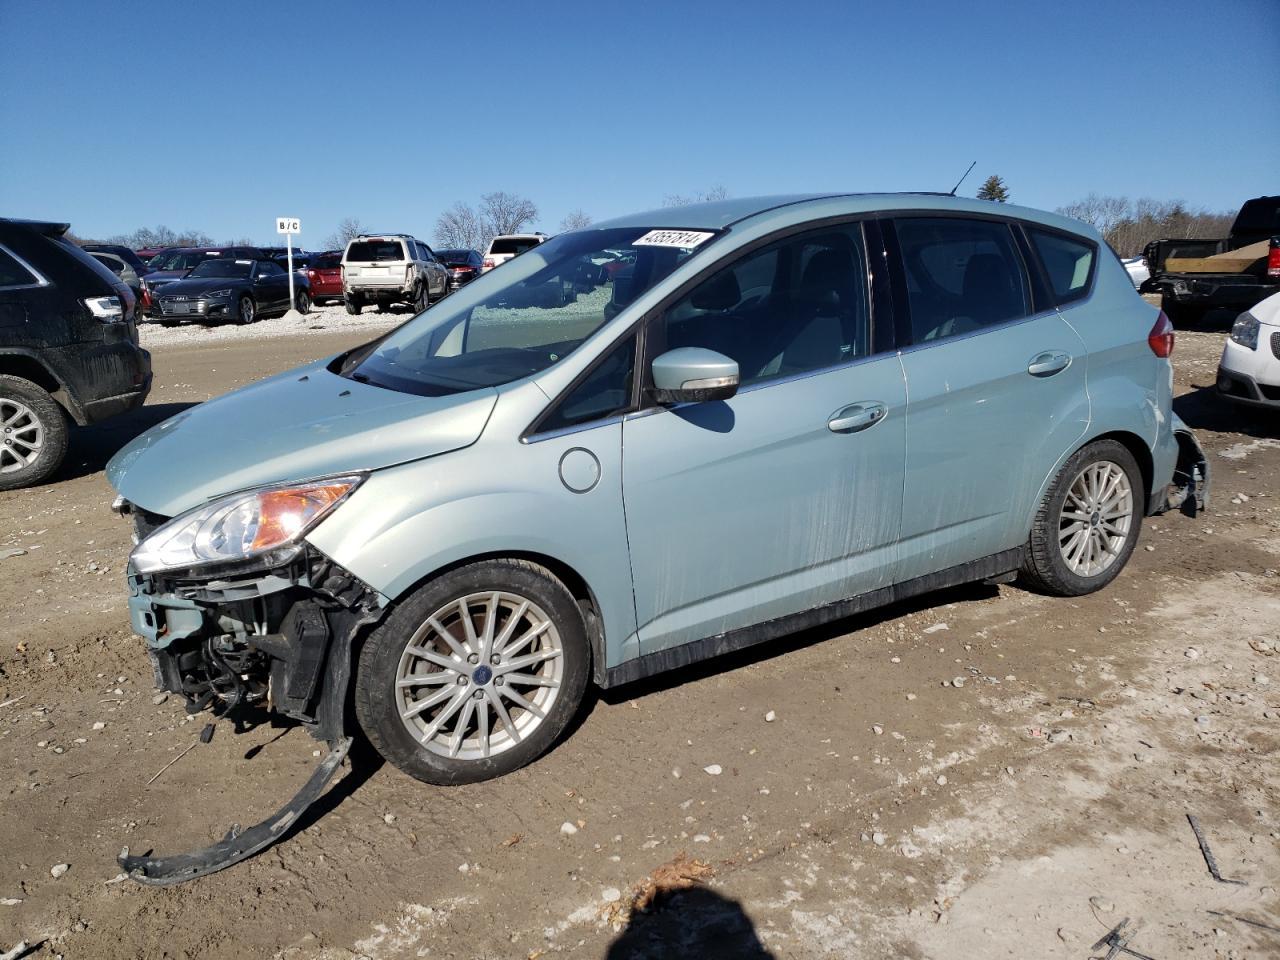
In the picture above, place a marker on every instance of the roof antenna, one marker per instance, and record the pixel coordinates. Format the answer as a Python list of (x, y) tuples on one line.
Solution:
[(961, 180)]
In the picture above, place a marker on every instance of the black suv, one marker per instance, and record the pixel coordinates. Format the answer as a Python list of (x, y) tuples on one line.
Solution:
[(68, 348)]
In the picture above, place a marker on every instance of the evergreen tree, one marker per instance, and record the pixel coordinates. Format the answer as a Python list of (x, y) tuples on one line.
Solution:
[(993, 188)]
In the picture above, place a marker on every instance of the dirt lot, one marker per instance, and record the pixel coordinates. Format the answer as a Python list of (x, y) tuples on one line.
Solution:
[(982, 773)]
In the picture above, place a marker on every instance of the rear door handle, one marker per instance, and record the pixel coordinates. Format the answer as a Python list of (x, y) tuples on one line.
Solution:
[(857, 416), (1048, 363)]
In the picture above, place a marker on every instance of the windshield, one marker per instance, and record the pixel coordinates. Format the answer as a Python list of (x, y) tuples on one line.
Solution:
[(222, 268), (179, 259), (532, 313), (506, 245), (326, 260)]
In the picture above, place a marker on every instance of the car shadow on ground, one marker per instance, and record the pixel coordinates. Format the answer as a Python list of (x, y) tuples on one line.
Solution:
[(89, 448), (1205, 409), (696, 922)]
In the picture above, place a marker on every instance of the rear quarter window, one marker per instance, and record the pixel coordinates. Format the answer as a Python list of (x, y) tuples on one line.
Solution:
[(1068, 263), (12, 273)]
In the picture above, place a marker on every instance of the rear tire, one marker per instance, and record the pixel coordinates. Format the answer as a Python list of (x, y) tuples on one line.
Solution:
[(304, 302), (246, 311), (469, 717), (422, 298), (33, 434), (354, 306), (1088, 523)]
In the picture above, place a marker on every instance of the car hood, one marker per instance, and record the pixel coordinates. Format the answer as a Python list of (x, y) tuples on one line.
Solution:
[(167, 274), (193, 287), (1267, 311), (299, 425)]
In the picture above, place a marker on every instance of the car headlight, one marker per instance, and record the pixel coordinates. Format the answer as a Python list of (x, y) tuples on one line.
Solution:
[(1245, 331), (217, 294), (271, 520)]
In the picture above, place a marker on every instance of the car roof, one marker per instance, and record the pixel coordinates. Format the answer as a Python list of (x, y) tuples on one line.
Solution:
[(786, 209)]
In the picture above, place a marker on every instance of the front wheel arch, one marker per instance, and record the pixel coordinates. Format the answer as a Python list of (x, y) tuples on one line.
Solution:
[(572, 580)]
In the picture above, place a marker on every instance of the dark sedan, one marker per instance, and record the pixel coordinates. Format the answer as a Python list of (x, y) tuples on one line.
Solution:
[(172, 265), (463, 265), (239, 290)]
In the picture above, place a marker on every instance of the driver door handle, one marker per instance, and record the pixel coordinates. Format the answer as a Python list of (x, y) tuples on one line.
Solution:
[(857, 416), (1048, 363)]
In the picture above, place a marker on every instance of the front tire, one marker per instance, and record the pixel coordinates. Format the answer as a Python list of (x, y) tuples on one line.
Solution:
[(246, 311), (475, 674), (1088, 523), (304, 302), (33, 434)]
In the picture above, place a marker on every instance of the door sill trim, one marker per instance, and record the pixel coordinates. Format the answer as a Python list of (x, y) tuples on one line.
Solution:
[(997, 565)]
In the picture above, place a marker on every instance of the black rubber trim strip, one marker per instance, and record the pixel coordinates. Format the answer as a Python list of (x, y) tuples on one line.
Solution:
[(236, 845), (1006, 561)]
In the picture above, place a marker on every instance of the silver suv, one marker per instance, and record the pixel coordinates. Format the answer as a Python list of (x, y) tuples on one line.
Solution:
[(391, 268)]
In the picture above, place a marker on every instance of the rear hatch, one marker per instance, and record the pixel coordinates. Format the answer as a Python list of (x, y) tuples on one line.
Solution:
[(374, 261)]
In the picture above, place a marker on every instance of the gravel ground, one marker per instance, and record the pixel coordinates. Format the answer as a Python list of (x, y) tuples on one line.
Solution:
[(980, 773)]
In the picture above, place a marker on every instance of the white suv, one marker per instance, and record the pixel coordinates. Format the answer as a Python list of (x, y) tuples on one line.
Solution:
[(1250, 368), (391, 268), (507, 245)]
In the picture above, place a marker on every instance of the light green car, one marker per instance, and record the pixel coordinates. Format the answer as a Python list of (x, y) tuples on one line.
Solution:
[(642, 444)]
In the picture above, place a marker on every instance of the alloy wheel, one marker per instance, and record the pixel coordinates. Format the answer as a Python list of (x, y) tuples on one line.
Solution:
[(21, 435), (480, 675), (1096, 518)]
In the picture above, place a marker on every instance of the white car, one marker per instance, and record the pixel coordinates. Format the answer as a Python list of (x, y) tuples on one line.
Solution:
[(507, 245), (1136, 267), (1250, 368)]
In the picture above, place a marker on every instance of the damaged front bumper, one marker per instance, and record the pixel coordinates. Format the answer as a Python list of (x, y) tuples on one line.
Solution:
[(278, 638)]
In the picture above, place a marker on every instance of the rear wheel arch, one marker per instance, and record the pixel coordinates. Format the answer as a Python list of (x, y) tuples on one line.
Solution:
[(27, 367), (1141, 453)]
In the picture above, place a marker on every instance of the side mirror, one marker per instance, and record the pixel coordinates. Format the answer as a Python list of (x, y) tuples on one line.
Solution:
[(693, 375)]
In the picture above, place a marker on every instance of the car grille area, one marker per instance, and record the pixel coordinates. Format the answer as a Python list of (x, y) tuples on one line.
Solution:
[(1275, 344)]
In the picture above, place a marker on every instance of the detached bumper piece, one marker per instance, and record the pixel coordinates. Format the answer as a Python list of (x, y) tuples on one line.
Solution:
[(1189, 491), (278, 638), (236, 845)]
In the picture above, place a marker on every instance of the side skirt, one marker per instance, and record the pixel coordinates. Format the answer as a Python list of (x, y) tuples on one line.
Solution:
[(997, 565)]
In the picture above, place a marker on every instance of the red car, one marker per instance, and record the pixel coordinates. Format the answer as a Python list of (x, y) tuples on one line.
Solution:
[(325, 274)]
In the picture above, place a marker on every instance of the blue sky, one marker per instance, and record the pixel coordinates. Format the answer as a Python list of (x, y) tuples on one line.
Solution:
[(220, 115)]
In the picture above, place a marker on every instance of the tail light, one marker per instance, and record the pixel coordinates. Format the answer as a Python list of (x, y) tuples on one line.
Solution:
[(408, 272), (106, 309), (1160, 339), (311, 274), (488, 263), (1273, 259)]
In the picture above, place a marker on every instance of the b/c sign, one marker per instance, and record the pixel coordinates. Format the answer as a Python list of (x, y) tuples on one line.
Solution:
[(288, 225)]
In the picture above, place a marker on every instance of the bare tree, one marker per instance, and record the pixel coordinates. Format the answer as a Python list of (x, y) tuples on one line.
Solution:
[(162, 236), (348, 229), (718, 192), (507, 212), (461, 228), (575, 220), (1129, 225)]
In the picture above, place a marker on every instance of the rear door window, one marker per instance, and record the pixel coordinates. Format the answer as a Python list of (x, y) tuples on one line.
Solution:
[(374, 251), (962, 275), (1068, 262)]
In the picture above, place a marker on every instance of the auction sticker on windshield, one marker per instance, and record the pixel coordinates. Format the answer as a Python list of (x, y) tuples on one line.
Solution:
[(681, 239)]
